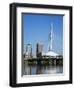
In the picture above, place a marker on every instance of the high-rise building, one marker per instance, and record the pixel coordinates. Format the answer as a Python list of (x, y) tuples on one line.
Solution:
[(28, 53), (39, 49)]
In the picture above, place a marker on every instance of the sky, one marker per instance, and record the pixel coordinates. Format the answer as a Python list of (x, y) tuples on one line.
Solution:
[(36, 28)]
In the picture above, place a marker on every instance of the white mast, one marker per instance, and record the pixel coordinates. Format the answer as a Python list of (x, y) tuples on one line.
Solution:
[(51, 37)]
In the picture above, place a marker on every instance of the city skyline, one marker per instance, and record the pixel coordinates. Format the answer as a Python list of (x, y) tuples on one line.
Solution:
[(36, 28)]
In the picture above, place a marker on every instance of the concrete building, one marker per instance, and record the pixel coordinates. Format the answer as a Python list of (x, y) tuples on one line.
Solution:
[(28, 53), (39, 50)]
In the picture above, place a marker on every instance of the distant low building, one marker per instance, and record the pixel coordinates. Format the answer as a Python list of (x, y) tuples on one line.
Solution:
[(50, 54)]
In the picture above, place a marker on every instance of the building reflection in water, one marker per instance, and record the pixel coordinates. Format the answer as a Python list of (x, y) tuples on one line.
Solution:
[(37, 69)]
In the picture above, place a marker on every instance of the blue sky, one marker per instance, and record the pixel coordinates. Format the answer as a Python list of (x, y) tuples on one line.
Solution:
[(36, 28)]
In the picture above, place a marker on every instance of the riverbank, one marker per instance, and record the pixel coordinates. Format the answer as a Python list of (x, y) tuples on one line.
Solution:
[(47, 61)]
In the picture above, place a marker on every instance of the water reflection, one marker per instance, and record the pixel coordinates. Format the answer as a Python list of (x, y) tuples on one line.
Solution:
[(41, 69)]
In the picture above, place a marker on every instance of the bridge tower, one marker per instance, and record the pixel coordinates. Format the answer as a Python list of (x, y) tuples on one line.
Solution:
[(51, 37)]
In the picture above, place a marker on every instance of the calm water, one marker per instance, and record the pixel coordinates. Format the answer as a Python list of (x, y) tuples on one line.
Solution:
[(40, 69)]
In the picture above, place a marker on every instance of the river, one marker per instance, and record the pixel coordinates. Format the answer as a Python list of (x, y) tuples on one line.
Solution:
[(41, 69)]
